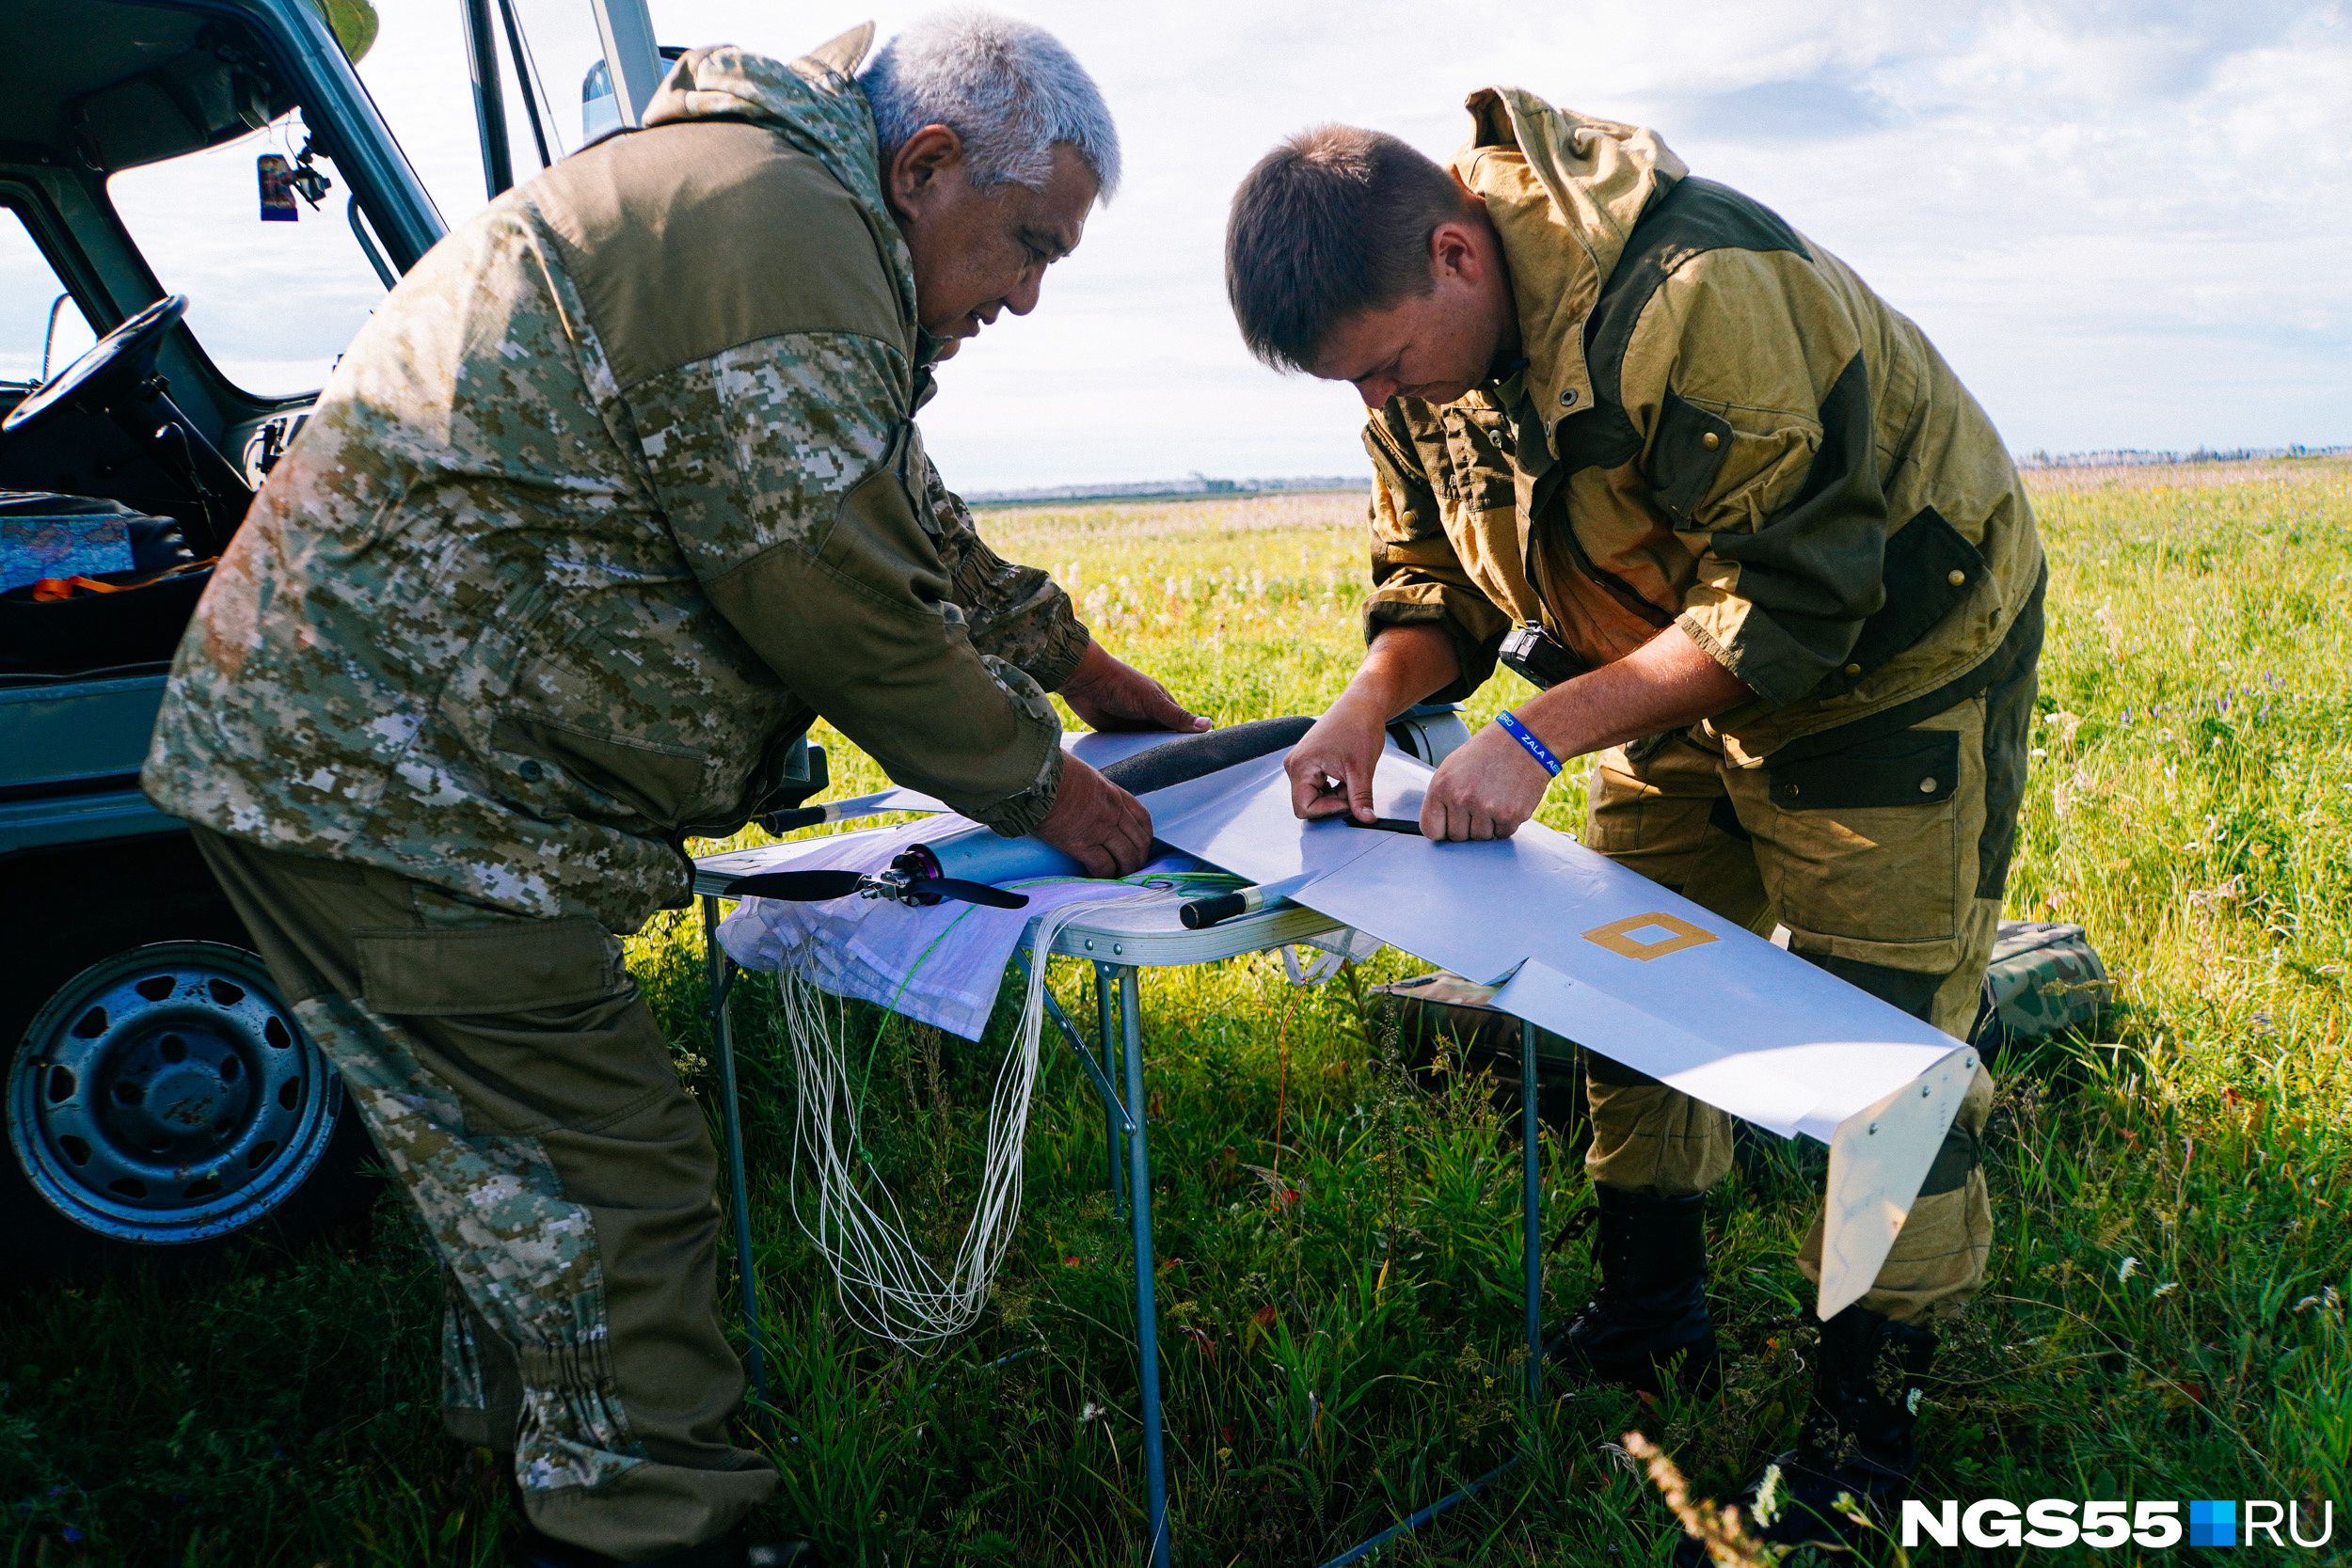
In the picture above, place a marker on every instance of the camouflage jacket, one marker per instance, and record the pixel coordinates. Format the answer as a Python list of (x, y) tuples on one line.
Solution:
[(1716, 425), (618, 492)]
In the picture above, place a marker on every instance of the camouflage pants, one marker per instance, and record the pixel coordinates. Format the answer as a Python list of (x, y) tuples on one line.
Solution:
[(1886, 861), (522, 1094)]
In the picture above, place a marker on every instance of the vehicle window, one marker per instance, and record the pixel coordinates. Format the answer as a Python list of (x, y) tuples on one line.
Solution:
[(274, 301), (33, 325), (417, 74)]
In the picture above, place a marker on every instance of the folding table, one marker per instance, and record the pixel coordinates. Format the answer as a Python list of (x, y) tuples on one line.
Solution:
[(1120, 942)]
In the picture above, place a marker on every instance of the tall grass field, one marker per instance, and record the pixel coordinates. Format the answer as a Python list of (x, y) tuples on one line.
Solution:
[(1339, 1274)]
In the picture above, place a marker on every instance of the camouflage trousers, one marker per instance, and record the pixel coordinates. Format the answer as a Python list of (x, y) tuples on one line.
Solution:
[(524, 1099), (1886, 862)]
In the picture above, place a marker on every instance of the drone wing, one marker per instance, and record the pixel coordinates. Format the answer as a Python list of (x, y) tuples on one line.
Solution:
[(1604, 957)]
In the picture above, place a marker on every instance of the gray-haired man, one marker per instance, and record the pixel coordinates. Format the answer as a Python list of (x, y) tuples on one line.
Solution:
[(617, 494)]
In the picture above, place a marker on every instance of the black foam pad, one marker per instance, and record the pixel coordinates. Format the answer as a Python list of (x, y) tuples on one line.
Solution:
[(1196, 756)]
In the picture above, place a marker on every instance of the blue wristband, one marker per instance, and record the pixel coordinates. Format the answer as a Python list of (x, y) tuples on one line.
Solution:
[(1526, 738)]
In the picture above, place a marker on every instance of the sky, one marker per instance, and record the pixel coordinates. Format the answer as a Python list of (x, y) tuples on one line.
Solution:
[(2126, 223)]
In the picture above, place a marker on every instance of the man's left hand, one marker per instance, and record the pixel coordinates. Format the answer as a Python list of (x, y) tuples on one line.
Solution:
[(1485, 790), (1110, 694)]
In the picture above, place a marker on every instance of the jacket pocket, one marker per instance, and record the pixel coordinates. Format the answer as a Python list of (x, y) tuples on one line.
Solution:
[(913, 468), (884, 539), (1686, 453), (667, 786), (513, 966), (1930, 571), (1916, 768)]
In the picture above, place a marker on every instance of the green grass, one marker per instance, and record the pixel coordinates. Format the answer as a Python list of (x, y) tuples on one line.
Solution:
[(1335, 1361)]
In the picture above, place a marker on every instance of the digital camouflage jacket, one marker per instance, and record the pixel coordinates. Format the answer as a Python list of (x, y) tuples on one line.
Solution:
[(616, 492), (1716, 425)]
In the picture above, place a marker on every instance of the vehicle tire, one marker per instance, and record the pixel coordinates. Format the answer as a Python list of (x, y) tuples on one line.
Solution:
[(160, 1102)]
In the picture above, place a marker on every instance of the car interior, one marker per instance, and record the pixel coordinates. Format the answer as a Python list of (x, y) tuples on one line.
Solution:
[(124, 473)]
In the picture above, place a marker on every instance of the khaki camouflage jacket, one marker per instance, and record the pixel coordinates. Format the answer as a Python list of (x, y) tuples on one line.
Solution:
[(616, 492), (1716, 425)]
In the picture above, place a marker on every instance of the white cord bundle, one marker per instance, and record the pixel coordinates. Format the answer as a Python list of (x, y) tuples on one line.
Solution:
[(887, 1286)]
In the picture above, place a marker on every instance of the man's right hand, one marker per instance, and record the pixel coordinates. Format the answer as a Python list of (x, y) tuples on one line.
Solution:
[(1097, 823), (1330, 768)]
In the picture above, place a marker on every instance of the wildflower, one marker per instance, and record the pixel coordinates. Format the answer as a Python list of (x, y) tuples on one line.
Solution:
[(2127, 1268), (2207, 900), (1717, 1528), (2168, 1287)]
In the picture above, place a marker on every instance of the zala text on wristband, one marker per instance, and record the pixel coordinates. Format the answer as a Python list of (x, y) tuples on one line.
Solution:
[(1526, 738)]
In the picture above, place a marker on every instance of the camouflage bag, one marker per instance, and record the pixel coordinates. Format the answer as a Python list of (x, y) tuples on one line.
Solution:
[(2043, 978)]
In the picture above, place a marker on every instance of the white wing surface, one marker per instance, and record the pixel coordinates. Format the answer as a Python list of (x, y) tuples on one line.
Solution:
[(1606, 958)]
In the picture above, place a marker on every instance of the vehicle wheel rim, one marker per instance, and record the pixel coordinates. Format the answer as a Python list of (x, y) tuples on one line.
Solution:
[(165, 1095)]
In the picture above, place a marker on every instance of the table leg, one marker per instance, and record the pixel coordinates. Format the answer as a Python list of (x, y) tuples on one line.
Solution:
[(1078, 1048), (1530, 1200), (722, 973), (1147, 1310), (1106, 1011)]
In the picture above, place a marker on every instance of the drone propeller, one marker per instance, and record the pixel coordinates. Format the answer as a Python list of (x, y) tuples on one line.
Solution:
[(975, 893), (798, 887), (807, 887)]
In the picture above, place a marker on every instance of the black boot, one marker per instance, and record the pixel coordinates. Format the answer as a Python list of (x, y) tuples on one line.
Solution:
[(1859, 1437), (1649, 1321)]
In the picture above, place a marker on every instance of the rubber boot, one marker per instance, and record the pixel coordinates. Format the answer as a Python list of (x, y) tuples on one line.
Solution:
[(1649, 1321), (1859, 1439)]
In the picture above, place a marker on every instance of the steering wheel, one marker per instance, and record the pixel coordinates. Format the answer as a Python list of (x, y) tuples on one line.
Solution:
[(116, 364)]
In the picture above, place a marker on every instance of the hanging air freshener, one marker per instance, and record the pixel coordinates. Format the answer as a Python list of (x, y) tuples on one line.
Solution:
[(278, 197)]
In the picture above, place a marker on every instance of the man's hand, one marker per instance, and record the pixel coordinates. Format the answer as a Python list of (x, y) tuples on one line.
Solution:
[(1330, 767), (1098, 824), (1491, 786), (1110, 694), (1485, 790)]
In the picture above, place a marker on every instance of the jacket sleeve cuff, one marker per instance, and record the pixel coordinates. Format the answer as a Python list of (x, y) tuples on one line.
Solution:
[(1473, 655), (1754, 647), (1017, 815), (1064, 647)]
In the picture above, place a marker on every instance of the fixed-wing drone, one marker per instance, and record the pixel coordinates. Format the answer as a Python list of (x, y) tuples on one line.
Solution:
[(1569, 940)]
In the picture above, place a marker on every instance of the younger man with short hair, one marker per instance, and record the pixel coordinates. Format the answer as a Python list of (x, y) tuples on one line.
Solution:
[(1637, 437)]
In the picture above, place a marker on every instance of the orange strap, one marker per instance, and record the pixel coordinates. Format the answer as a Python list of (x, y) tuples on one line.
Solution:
[(51, 590)]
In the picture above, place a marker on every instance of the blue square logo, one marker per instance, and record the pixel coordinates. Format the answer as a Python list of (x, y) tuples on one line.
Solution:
[(2213, 1524)]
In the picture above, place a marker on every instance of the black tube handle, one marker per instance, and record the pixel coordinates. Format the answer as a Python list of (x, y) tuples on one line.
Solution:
[(1202, 913)]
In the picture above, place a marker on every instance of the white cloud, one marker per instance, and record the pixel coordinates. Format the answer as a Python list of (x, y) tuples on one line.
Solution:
[(2126, 223)]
